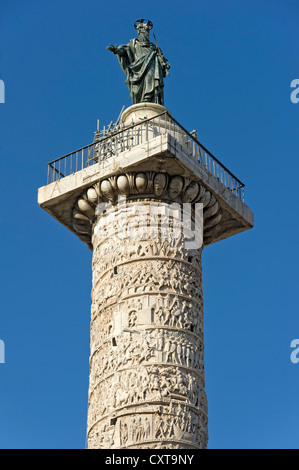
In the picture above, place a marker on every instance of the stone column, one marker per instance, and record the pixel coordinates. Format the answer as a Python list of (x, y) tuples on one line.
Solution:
[(147, 350)]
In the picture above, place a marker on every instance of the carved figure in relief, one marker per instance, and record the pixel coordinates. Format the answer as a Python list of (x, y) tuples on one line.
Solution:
[(147, 428), (107, 435), (167, 315), (133, 429), (132, 318), (187, 354), (155, 387), (160, 314), (121, 397), (160, 341), (123, 433), (168, 426), (170, 349), (176, 315), (164, 386), (159, 428), (139, 430)]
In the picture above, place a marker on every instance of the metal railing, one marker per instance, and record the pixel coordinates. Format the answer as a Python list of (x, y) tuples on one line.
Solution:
[(122, 138)]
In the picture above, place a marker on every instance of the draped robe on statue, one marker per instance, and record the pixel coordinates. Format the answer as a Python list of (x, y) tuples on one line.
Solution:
[(143, 68)]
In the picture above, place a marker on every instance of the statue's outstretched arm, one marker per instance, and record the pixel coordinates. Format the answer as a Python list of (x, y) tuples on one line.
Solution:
[(119, 50)]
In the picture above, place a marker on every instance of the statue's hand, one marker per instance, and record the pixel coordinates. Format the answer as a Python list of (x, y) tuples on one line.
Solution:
[(165, 68), (112, 48)]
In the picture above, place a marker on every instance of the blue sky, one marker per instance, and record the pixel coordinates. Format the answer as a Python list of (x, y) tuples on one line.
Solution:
[(232, 64)]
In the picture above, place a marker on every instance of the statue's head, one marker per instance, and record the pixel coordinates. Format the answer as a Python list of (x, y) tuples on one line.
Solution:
[(143, 27)]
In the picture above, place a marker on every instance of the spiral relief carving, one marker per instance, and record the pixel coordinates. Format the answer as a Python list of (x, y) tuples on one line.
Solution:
[(146, 386)]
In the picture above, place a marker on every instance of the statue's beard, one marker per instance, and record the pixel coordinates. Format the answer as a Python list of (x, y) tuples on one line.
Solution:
[(143, 36)]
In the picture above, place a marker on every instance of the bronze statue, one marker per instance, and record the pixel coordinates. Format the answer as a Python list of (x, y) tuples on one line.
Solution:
[(143, 64)]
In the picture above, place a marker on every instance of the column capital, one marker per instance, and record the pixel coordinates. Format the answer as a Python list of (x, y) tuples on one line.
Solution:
[(156, 185)]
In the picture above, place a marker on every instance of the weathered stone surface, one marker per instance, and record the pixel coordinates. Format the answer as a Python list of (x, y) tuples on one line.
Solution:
[(147, 351)]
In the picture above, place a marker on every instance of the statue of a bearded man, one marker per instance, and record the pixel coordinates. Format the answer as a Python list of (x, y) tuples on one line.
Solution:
[(144, 65)]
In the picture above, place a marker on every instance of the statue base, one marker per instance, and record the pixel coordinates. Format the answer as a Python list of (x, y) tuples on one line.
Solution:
[(141, 111)]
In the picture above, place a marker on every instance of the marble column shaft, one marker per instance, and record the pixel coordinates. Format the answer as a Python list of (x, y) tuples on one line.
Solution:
[(147, 349)]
